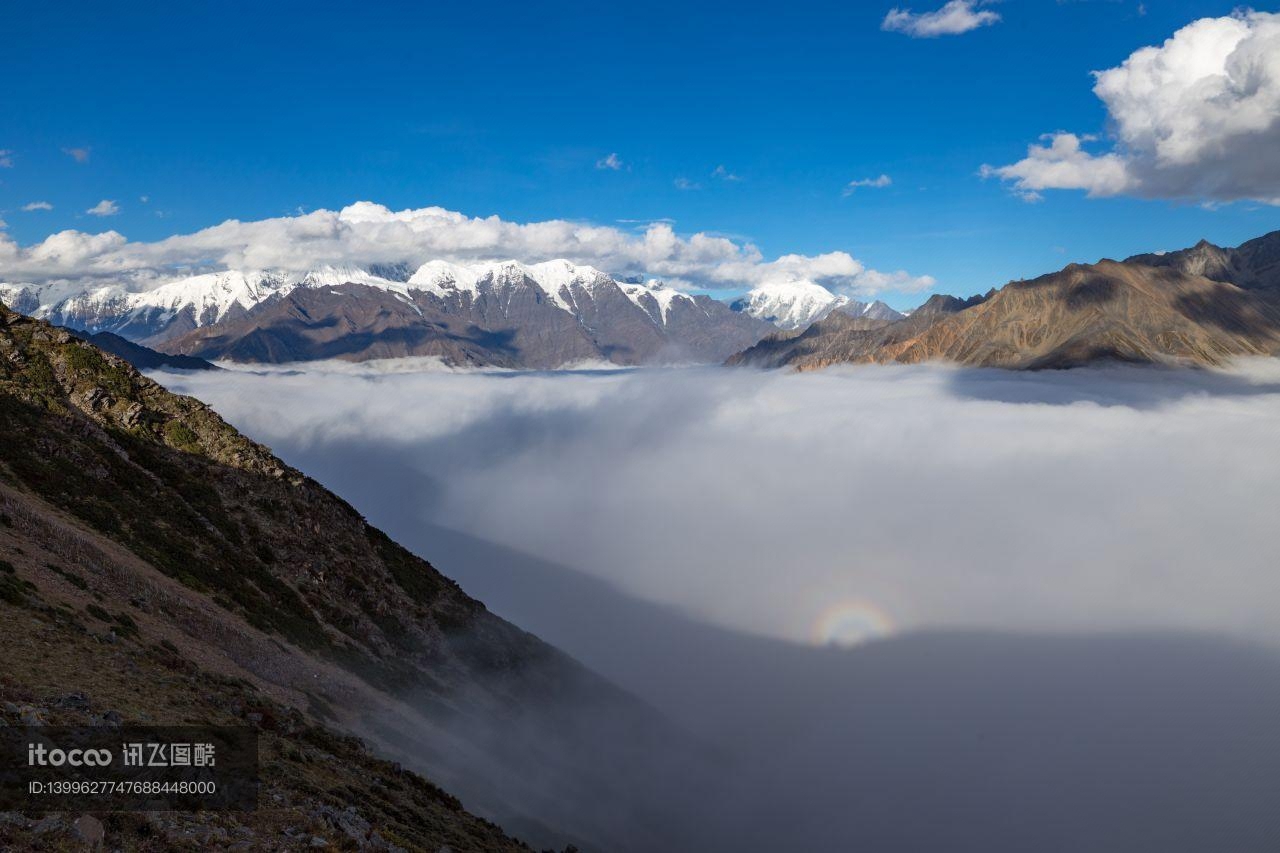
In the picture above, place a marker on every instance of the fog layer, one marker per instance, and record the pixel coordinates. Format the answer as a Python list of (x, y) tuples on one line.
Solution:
[(834, 506)]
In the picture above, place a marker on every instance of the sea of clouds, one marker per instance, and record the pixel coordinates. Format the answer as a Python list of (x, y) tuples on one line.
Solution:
[(913, 497)]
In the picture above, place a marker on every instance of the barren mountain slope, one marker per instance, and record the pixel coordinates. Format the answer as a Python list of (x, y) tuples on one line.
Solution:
[(119, 498), (1087, 312)]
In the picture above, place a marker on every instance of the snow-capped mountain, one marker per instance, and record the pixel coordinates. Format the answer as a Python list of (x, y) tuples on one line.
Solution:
[(504, 313), (797, 304)]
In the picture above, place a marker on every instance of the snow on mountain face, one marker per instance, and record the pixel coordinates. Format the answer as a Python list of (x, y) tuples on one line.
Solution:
[(210, 297), (790, 305), (656, 300), (798, 304)]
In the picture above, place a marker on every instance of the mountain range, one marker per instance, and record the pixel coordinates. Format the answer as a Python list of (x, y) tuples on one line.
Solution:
[(505, 314), (1200, 306)]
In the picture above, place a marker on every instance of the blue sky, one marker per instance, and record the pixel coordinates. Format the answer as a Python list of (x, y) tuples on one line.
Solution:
[(250, 111)]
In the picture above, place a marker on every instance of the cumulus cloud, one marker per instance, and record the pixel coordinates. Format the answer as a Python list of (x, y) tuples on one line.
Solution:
[(938, 498), (364, 233), (613, 162), (106, 207), (958, 16), (6, 159), (875, 183), (37, 205), (80, 155), (1195, 118), (683, 183)]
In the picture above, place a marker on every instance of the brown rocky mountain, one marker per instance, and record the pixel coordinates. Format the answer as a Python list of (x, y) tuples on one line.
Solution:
[(155, 565), (1251, 265), (1201, 306)]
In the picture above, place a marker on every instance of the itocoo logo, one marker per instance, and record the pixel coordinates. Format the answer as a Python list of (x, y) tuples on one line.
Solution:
[(38, 755)]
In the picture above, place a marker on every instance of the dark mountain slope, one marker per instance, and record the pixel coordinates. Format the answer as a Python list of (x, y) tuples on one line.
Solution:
[(147, 505), (145, 358)]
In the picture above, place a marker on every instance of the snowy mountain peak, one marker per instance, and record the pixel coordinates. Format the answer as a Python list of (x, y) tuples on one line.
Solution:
[(797, 304), (790, 304), (654, 296)]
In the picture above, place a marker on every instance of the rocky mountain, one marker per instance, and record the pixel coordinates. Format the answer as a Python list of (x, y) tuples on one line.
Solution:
[(1202, 306), (145, 358), (1252, 265), (502, 314), (157, 566), (795, 305)]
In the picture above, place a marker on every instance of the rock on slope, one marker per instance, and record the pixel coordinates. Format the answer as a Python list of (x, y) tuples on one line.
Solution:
[(146, 533), (1150, 309)]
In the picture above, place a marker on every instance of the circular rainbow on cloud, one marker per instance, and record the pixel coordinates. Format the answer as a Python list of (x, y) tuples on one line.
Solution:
[(850, 622)]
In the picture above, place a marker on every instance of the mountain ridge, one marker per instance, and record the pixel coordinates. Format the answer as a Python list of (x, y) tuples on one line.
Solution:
[(505, 314), (1149, 309)]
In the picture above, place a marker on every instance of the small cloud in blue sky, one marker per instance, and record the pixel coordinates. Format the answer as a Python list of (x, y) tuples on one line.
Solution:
[(958, 16), (37, 205), (724, 174), (874, 183), (612, 163), (106, 207), (80, 155)]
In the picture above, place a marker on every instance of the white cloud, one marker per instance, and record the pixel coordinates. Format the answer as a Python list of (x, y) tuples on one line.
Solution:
[(725, 175), (683, 183), (144, 198), (1196, 118), (6, 159), (80, 155), (365, 232), (958, 16), (106, 207), (613, 162), (875, 183), (37, 205)]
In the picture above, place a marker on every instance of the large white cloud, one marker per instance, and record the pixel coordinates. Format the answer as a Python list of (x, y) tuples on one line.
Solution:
[(1196, 118), (366, 233)]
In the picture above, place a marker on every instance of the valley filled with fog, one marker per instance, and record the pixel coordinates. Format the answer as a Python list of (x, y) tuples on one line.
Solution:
[(770, 503), (914, 604)]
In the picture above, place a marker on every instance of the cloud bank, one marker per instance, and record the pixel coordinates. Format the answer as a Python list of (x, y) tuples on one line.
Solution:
[(817, 506), (367, 233), (958, 16), (1195, 118)]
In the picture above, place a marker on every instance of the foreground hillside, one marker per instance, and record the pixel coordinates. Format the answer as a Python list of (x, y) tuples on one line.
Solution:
[(170, 569), (1202, 306)]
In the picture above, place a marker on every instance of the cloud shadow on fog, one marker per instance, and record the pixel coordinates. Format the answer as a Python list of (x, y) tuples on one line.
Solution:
[(958, 741), (1130, 386)]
